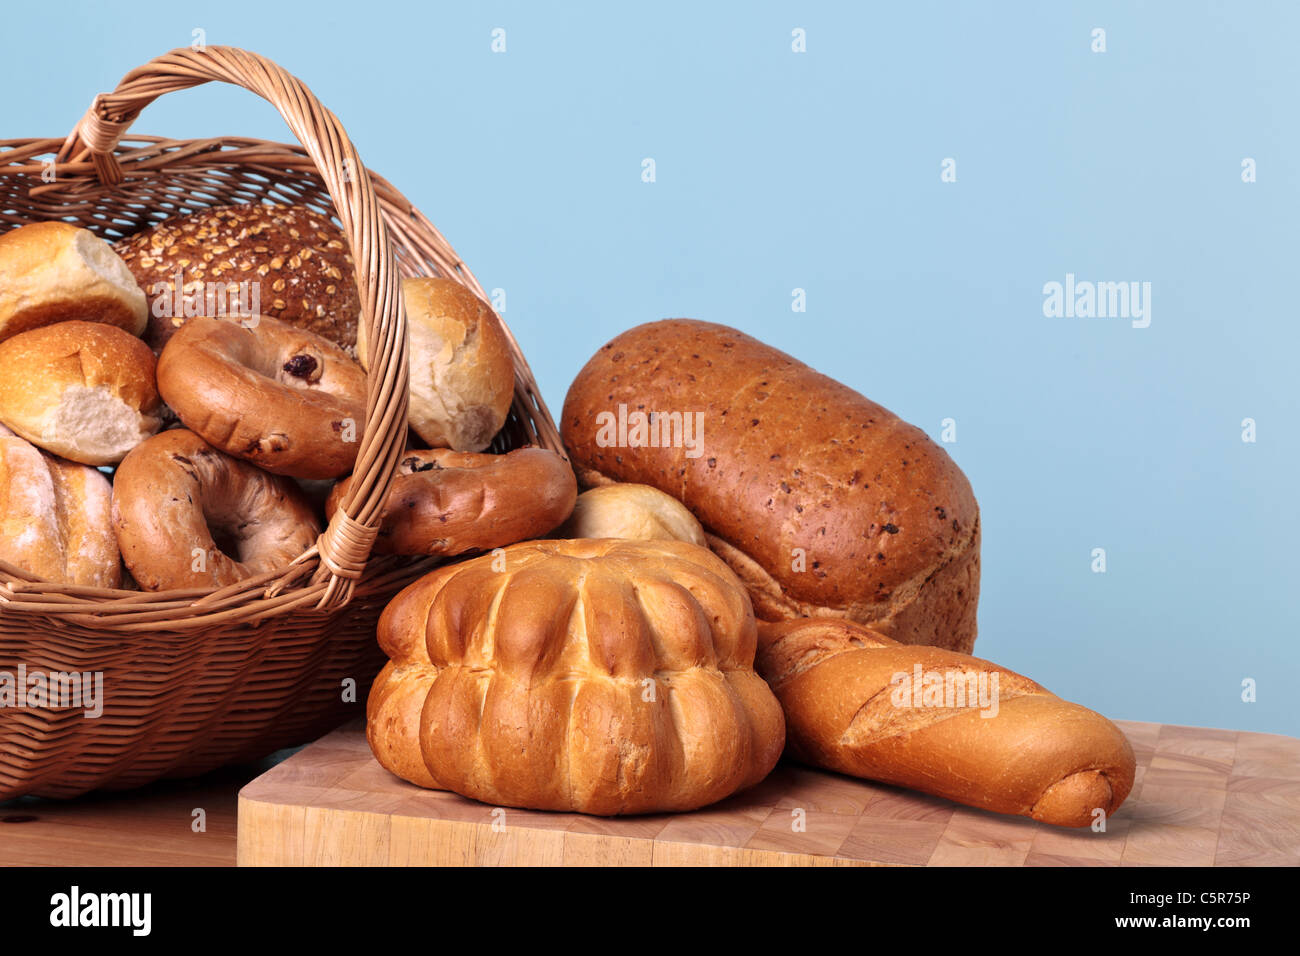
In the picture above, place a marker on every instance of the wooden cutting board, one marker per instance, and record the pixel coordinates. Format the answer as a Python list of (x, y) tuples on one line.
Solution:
[(1202, 797)]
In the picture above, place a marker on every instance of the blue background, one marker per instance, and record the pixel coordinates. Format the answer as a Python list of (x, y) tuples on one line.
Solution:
[(821, 171)]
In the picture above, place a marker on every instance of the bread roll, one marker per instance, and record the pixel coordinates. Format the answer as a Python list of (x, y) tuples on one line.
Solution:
[(462, 371), (295, 260), (55, 271), (55, 517), (941, 722), (824, 503), (602, 677), (82, 390), (451, 502), (631, 511)]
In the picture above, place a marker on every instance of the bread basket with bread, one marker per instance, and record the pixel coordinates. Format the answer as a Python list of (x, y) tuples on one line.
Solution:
[(201, 670)]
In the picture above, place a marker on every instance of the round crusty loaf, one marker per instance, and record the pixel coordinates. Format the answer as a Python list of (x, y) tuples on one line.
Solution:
[(82, 390), (289, 401), (462, 371), (822, 502), (297, 258), (55, 271), (55, 517), (631, 511), (602, 677)]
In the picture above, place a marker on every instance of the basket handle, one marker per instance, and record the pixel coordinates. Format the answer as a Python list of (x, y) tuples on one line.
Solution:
[(345, 545)]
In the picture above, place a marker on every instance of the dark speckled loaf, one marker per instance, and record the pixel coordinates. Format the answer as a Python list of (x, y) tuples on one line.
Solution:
[(823, 502)]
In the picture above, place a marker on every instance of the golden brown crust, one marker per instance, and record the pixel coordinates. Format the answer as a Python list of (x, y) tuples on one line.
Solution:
[(175, 490), (56, 272), (289, 401), (604, 677), (449, 502), (55, 517), (853, 703), (821, 500), (299, 259), (82, 390)]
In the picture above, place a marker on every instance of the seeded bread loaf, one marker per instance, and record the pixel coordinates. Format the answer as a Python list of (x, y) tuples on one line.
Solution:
[(298, 259), (823, 502)]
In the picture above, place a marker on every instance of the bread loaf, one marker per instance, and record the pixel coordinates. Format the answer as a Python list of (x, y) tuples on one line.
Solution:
[(941, 722), (824, 503), (83, 390), (603, 677), (56, 272), (287, 262), (462, 370), (55, 517)]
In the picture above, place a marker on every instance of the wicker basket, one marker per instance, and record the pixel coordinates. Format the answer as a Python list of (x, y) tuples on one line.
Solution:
[(196, 679)]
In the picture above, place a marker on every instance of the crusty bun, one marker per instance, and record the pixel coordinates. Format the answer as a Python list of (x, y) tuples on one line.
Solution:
[(601, 677), (82, 390), (187, 516), (298, 259), (462, 371), (824, 503), (55, 517), (280, 397), (450, 502), (631, 511), (55, 271)]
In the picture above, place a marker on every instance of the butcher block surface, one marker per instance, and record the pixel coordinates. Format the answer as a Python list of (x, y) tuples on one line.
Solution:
[(1202, 797)]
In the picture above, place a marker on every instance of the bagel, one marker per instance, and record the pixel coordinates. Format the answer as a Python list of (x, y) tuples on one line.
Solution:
[(188, 516), (283, 398), (449, 502)]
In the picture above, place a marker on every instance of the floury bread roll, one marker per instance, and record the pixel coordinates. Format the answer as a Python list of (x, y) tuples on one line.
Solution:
[(82, 390), (824, 503), (462, 370), (55, 517), (55, 272), (943, 723), (636, 512)]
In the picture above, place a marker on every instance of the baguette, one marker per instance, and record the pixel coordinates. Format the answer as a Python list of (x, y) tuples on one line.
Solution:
[(822, 502), (862, 704)]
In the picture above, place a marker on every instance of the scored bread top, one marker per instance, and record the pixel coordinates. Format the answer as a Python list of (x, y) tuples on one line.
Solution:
[(601, 676)]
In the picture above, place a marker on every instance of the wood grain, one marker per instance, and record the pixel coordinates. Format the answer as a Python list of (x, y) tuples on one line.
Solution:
[(1202, 797)]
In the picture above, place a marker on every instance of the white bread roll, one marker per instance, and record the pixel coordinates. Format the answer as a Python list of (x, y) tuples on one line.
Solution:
[(56, 517), (631, 511), (55, 271), (462, 372), (81, 390)]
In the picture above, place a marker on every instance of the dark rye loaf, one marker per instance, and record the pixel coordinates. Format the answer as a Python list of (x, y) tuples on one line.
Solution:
[(823, 502)]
